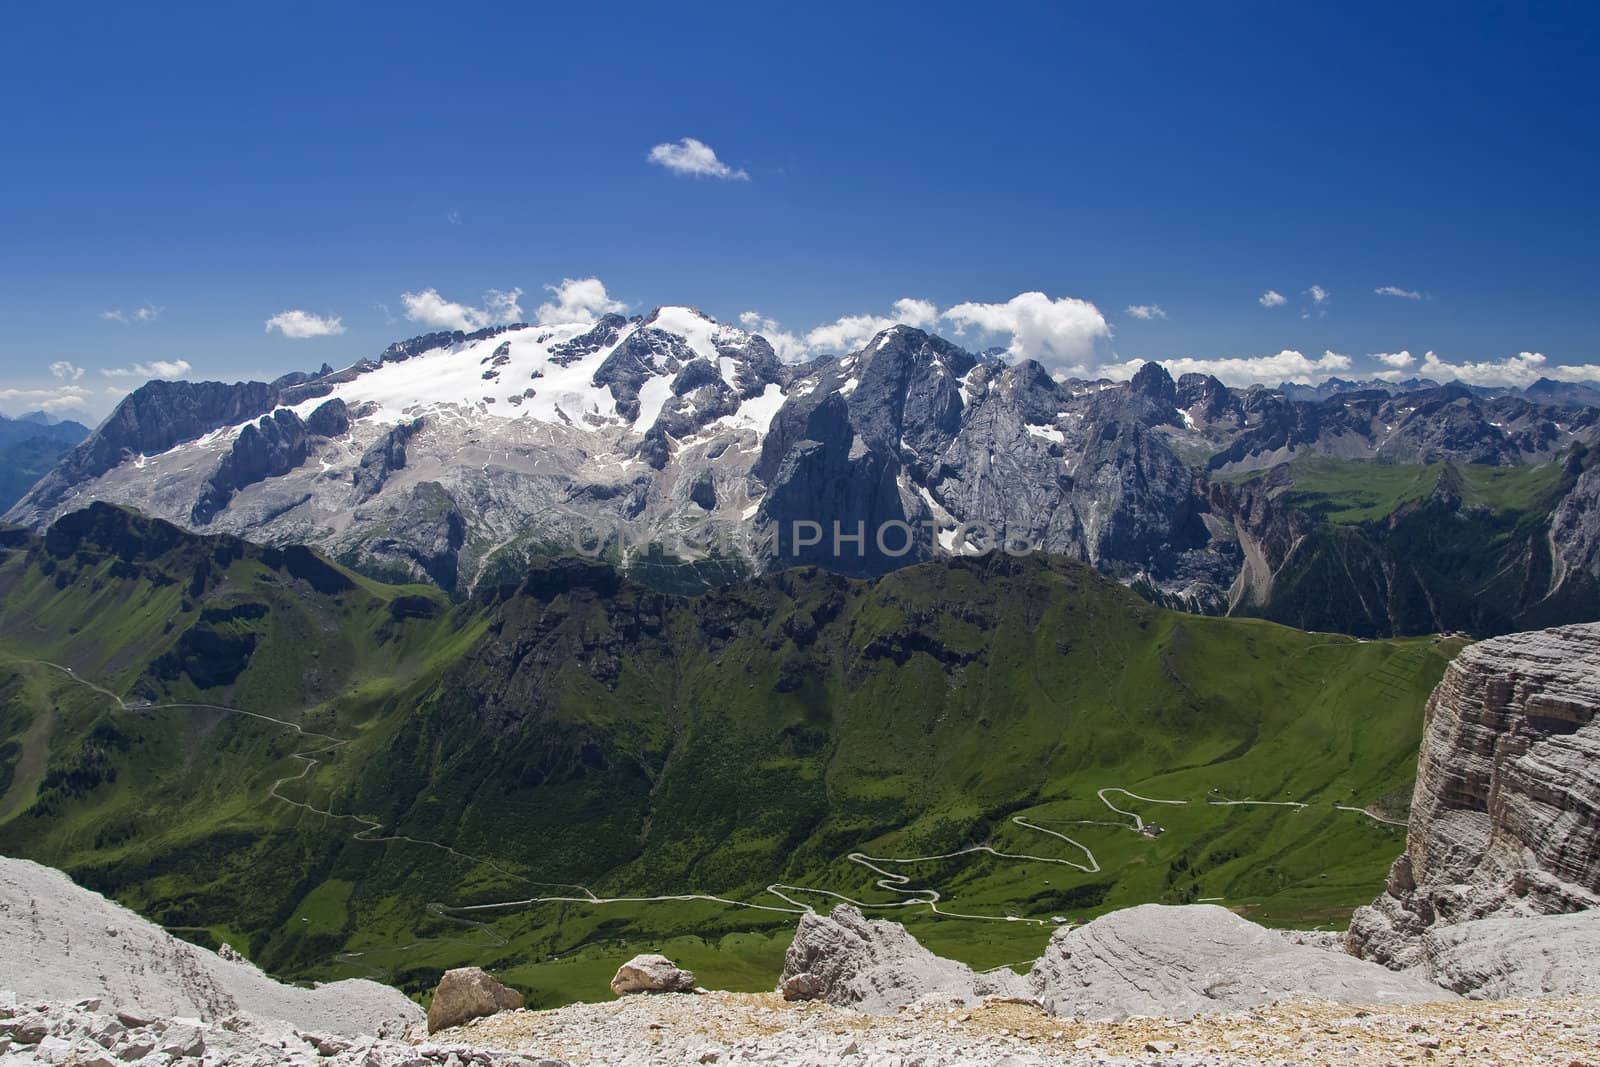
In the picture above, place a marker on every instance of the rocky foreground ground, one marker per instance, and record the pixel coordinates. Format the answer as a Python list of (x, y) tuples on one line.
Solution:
[(742, 1028)]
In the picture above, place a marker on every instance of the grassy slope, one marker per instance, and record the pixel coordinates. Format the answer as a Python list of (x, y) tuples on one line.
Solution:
[(580, 731), (1412, 549)]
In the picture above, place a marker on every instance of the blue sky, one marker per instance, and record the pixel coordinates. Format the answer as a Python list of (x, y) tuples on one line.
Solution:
[(173, 178)]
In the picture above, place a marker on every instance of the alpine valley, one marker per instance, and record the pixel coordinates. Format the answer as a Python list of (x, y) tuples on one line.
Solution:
[(502, 648)]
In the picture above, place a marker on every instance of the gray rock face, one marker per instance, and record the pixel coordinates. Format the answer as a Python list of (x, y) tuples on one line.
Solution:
[(651, 973), (467, 993), (70, 944), (1575, 530), (877, 967), (274, 446), (1182, 961), (1505, 817), (1518, 956), (383, 458)]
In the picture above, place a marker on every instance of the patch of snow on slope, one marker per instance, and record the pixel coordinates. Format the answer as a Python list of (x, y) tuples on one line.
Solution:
[(699, 332), (756, 413), (652, 396), (1047, 433)]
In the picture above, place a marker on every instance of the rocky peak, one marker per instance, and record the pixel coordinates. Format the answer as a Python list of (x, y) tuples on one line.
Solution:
[(908, 391), (1153, 381)]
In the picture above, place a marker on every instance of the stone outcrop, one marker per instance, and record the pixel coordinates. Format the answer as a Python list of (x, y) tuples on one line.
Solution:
[(1505, 817), (1183, 961), (467, 993), (69, 944), (651, 973), (1517, 956), (877, 967)]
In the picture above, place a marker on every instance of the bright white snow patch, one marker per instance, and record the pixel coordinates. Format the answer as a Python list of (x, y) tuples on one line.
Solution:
[(1048, 433), (757, 412), (652, 397)]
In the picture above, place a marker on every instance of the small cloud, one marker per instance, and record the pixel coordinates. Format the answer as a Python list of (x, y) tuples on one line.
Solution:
[(303, 324), (138, 316), (578, 300), (62, 370), (1397, 360), (1059, 333), (844, 334), (388, 315), (695, 158), (156, 368), (1146, 311), (790, 347), (852, 331), (1395, 290), (1318, 294), (1272, 299), (453, 217), (500, 308)]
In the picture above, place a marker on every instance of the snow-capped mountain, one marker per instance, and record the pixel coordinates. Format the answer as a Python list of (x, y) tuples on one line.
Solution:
[(672, 440)]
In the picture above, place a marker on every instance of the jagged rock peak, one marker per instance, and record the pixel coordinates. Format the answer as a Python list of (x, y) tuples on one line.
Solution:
[(1153, 381)]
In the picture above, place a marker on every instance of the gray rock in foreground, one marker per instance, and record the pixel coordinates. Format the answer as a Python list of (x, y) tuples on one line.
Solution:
[(467, 993), (63, 942), (1546, 955), (1184, 961), (878, 967), (88, 1034), (651, 973)]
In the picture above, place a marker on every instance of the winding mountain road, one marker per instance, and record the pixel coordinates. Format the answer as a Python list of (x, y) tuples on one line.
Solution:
[(889, 881)]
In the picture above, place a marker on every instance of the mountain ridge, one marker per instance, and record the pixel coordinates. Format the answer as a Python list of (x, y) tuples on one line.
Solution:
[(682, 448)]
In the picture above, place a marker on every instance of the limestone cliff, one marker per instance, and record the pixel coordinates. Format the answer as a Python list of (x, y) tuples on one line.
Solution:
[(1505, 818)]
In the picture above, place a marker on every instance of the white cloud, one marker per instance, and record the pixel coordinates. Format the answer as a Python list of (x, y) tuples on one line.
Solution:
[(695, 158), (1147, 311), (844, 334), (790, 347), (1522, 369), (303, 324), (139, 315), (156, 368), (65, 371), (852, 331), (1318, 294), (578, 300), (500, 308), (1285, 366), (1395, 290), (1272, 299), (1395, 359), (62, 398), (1059, 333)]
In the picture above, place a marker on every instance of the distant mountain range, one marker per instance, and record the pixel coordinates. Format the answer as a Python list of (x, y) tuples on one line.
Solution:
[(684, 451), (30, 446)]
